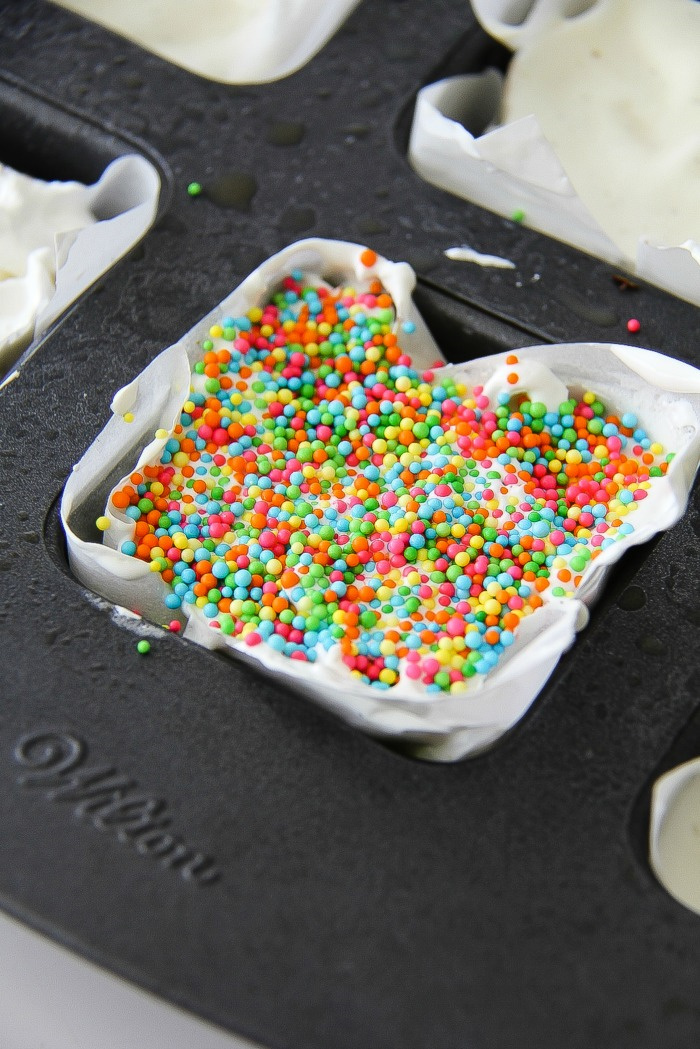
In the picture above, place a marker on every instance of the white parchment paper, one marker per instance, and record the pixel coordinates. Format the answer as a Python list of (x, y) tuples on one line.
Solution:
[(123, 203), (512, 168), (674, 833), (233, 41), (665, 395)]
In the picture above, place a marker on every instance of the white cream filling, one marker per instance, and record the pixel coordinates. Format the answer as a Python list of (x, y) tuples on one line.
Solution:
[(35, 219), (616, 92), (674, 833)]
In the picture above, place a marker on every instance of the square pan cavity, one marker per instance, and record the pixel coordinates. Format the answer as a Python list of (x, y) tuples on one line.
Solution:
[(361, 899)]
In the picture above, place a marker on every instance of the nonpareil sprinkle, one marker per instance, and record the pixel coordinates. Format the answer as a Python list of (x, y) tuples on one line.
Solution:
[(319, 494)]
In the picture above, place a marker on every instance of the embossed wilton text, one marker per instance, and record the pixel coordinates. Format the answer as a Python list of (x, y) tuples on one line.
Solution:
[(54, 762)]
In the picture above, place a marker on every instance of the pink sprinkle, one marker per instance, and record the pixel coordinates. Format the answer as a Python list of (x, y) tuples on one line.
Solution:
[(633, 325), (253, 639)]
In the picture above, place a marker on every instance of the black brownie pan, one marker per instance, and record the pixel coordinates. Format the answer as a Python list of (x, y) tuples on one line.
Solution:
[(287, 877)]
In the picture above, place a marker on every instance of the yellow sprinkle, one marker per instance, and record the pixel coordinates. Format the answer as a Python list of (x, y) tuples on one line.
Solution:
[(103, 523), (128, 417)]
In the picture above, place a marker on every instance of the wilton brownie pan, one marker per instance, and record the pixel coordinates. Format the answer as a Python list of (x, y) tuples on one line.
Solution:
[(208, 832)]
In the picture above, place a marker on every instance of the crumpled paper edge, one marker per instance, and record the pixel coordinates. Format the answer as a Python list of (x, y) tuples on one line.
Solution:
[(516, 22), (664, 792), (437, 726), (513, 167), (284, 36), (124, 202)]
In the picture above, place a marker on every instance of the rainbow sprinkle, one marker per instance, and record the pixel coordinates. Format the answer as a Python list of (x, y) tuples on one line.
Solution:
[(319, 492)]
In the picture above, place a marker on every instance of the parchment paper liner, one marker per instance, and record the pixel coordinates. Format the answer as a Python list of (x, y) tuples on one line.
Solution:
[(124, 202), (272, 39), (439, 726), (664, 794), (513, 167)]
